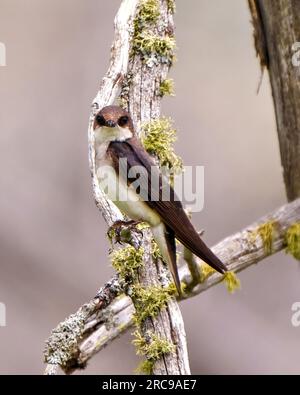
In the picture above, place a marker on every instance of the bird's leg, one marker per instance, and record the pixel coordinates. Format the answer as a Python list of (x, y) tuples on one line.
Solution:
[(120, 231)]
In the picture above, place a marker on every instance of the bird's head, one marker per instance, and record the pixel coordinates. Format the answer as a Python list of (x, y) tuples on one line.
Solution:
[(113, 123)]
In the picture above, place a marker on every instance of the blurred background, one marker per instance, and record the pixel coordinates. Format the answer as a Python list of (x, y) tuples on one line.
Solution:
[(52, 238)]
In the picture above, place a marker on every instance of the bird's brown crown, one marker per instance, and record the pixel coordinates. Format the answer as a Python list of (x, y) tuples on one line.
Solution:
[(111, 116)]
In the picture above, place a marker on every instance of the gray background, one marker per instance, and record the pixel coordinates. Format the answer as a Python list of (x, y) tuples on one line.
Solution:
[(52, 238)]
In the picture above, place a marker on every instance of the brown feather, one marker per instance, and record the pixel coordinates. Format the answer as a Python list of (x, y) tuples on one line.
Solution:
[(171, 212)]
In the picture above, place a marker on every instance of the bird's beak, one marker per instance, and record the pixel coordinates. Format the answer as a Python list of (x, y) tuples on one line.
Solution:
[(110, 124)]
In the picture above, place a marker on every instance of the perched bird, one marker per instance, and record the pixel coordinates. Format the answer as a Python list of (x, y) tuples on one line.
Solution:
[(131, 179)]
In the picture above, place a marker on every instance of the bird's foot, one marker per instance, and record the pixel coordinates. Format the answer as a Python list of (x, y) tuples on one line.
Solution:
[(121, 231)]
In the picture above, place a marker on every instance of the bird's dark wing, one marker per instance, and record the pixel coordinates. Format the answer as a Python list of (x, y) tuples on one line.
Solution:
[(152, 186)]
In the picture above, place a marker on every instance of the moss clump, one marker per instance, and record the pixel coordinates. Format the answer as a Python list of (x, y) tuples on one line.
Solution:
[(153, 348), (149, 301), (152, 48), (266, 232), (232, 282), (166, 87), (145, 367), (148, 14), (158, 139), (292, 240), (155, 251), (126, 262), (205, 271)]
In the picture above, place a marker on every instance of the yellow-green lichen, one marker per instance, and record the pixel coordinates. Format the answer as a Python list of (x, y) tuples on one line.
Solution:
[(158, 137), (166, 87), (149, 301), (232, 282), (205, 271), (148, 13), (155, 251), (145, 367), (230, 278), (266, 232), (292, 240), (171, 6), (152, 347), (127, 261), (152, 48)]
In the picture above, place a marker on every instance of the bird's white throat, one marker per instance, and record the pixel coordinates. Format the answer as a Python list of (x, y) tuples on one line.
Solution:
[(105, 135)]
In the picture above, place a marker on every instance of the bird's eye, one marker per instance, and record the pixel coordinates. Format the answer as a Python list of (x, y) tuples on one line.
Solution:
[(100, 120), (123, 120)]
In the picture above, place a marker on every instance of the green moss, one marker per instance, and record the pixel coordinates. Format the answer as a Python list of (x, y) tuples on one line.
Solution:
[(149, 301), (153, 348), (232, 282), (148, 13), (292, 240), (155, 251), (153, 49), (145, 367), (158, 139), (171, 6), (166, 87), (266, 232), (126, 262)]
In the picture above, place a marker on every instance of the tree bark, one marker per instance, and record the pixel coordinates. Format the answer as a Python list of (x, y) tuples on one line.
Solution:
[(142, 82), (277, 32)]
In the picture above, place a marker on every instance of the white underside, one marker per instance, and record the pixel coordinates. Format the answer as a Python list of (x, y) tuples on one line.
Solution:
[(124, 196)]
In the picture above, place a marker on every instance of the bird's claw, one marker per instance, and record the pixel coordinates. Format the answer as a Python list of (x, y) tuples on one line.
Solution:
[(120, 231)]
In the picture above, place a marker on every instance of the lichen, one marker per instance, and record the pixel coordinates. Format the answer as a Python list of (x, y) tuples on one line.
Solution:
[(292, 240), (232, 282), (126, 261), (166, 87), (230, 278), (62, 345), (152, 347), (152, 48), (205, 271), (155, 251), (266, 232), (158, 137), (171, 6), (145, 367), (148, 13), (149, 301)]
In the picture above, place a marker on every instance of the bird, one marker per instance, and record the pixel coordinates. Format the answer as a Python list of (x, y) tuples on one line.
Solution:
[(132, 180)]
